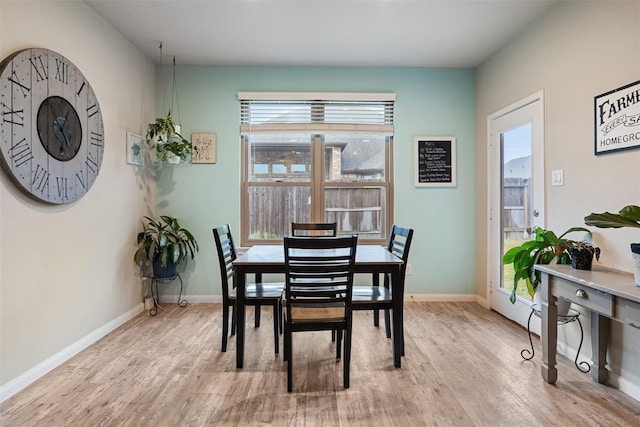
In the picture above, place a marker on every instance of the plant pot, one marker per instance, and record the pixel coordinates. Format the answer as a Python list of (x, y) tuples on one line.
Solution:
[(160, 272), (159, 139), (562, 304), (581, 259), (635, 255), (172, 159)]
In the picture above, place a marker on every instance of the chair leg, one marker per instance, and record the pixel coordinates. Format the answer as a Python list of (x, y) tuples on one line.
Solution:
[(346, 361), (387, 323), (376, 313), (289, 358), (276, 324), (257, 319), (285, 344), (233, 319), (338, 343), (333, 336), (225, 326)]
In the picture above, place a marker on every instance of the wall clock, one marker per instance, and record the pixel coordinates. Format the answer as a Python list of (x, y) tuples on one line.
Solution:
[(51, 129)]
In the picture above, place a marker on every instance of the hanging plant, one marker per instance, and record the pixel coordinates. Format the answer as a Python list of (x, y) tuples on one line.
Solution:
[(164, 137)]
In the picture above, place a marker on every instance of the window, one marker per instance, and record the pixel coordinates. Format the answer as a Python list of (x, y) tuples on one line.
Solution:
[(316, 158)]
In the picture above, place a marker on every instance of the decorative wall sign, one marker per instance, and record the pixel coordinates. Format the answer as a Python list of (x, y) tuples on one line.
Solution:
[(435, 161), (617, 119), (206, 143), (135, 149)]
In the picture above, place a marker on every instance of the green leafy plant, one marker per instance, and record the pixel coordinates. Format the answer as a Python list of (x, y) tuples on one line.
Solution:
[(545, 248), (165, 240), (163, 136), (629, 216)]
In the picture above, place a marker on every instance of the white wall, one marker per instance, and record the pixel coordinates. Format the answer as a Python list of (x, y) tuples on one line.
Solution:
[(66, 272), (575, 52)]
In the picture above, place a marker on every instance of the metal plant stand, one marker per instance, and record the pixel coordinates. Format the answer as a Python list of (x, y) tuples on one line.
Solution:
[(571, 316), (154, 292)]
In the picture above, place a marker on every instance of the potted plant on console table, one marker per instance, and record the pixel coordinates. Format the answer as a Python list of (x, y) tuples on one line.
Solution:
[(582, 254), (545, 248), (165, 243), (629, 216)]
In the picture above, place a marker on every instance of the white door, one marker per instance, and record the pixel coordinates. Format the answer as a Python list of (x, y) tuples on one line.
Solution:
[(516, 197)]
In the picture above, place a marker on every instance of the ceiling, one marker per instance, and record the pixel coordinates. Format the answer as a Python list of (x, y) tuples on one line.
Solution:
[(395, 33)]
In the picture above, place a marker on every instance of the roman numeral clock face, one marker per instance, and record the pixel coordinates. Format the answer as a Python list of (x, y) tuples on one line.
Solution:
[(51, 129)]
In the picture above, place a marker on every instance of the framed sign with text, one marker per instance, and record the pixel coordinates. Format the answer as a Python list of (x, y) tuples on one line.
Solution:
[(206, 143), (435, 161), (617, 119)]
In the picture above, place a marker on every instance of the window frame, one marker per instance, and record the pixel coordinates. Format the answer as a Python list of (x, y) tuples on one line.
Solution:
[(317, 185)]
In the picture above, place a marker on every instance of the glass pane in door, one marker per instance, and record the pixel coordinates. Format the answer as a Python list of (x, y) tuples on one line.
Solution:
[(517, 217)]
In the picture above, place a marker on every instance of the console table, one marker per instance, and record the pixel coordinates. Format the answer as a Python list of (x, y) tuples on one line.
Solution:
[(607, 293)]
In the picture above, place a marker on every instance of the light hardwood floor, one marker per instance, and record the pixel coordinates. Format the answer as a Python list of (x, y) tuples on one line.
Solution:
[(462, 368)]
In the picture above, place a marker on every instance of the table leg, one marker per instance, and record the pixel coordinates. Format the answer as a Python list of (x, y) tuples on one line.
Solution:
[(376, 313), (549, 332), (600, 327), (397, 289), (257, 306), (240, 316)]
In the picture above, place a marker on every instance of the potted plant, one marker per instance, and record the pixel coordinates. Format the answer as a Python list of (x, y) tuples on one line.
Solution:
[(545, 248), (165, 243), (629, 216), (582, 254), (170, 146)]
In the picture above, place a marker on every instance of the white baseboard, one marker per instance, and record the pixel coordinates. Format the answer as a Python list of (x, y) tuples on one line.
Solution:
[(624, 386), (12, 387), (200, 299), (191, 299), (440, 297)]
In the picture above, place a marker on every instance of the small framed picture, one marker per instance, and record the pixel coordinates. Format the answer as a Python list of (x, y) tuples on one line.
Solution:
[(206, 148), (435, 161), (135, 149)]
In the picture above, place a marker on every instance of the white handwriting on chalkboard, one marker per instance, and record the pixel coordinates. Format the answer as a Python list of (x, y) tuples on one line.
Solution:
[(434, 161)]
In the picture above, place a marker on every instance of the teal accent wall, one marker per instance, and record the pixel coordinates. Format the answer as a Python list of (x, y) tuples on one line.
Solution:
[(429, 102)]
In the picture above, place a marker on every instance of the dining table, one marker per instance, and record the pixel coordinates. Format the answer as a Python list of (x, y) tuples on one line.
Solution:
[(374, 259)]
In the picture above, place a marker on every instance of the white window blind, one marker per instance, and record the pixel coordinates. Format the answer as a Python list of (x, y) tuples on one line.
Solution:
[(347, 113)]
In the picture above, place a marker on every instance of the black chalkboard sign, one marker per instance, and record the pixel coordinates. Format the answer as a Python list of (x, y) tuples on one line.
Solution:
[(435, 161)]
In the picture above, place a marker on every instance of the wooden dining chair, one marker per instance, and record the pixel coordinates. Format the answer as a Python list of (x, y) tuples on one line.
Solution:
[(375, 297), (256, 294), (317, 229), (318, 289)]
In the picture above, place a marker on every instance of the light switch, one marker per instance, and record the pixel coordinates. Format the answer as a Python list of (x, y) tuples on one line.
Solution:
[(557, 177)]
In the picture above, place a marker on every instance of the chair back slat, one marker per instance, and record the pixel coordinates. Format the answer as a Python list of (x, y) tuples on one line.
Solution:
[(319, 273), (226, 255), (329, 229), (400, 242)]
